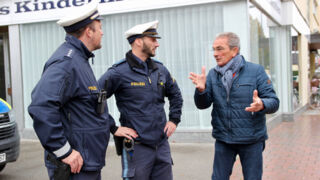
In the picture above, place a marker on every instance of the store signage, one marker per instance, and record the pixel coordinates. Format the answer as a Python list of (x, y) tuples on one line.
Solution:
[(32, 11), (28, 11), (27, 6)]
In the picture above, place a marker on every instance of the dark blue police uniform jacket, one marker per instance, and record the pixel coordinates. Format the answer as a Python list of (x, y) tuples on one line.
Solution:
[(140, 97), (64, 104)]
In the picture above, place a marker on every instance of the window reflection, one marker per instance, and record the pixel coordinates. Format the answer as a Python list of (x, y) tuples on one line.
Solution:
[(295, 68), (261, 42), (260, 39)]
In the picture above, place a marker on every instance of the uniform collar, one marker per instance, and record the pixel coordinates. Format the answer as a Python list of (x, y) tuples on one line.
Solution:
[(138, 59), (133, 62), (79, 45)]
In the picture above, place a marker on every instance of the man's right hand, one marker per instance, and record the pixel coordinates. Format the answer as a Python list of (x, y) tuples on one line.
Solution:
[(199, 79), (126, 132), (74, 160)]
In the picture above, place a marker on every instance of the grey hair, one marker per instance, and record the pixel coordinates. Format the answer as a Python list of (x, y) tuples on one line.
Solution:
[(233, 39)]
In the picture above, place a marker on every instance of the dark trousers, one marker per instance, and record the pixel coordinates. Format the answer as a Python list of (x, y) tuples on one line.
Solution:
[(147, 163), (250, 157), (83, 175)]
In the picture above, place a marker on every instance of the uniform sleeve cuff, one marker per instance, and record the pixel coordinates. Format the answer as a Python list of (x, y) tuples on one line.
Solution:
[(113, 129), (64, 151), (176, 121)]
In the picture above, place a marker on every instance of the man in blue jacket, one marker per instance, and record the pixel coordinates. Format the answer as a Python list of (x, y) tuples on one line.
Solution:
[(140, 85), (65, 108), (240, 93)]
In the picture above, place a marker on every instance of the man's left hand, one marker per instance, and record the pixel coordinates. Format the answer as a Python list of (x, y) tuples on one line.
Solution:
[(170, 128), (257, 104), (126, 132)]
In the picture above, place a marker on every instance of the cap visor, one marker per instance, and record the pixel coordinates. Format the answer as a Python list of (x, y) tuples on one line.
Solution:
[(98, 18), (154, 36)]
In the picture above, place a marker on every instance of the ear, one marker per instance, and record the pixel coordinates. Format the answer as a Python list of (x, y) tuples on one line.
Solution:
[(235, 51), (139, 42), (88, 32)]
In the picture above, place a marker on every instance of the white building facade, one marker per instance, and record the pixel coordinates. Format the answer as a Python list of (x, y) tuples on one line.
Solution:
[(267, 30)]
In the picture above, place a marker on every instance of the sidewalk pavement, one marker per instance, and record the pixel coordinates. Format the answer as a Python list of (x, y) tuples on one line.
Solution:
[(292, 153)]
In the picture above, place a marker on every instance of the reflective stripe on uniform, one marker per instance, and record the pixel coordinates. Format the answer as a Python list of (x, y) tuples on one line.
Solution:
[(62, 151)]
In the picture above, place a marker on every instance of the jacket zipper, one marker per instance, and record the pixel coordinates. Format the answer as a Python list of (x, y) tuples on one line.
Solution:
[(88, 71), (69, 117), (228, 104)]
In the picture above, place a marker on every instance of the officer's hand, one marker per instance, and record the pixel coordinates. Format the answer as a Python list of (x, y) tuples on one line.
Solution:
[(199, 79), (170, 128), (257, 104), (74, 160), (126, 132)]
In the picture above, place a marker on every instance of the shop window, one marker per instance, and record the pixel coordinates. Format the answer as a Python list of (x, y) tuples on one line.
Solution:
[(262, 43), (295, 68)]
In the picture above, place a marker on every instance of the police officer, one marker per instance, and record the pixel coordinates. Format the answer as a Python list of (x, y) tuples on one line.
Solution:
[(140, 85), (64, 100)]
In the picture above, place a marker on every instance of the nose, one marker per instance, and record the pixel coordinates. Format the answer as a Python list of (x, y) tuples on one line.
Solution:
[(157, 44), (215, 53)]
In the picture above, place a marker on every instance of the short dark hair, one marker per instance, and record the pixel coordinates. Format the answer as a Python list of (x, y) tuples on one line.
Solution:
[(80, 31)]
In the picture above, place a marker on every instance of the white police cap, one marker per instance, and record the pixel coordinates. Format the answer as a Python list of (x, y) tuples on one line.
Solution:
[(140, 30), (80, 17)]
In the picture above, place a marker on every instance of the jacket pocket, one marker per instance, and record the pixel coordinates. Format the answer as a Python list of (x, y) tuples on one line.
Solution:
[(219, 92), (243, 91), (139, 92), (92, 144)]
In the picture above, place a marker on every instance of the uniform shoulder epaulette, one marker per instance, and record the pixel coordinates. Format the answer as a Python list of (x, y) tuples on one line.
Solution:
[(157, 61), (69, 53), (119, 62)]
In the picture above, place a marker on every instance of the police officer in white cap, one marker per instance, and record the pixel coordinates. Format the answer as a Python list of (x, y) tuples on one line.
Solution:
[(140, 85), (64, 103)]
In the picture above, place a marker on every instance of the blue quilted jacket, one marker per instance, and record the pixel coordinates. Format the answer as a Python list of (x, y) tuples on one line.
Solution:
[(230, 122)]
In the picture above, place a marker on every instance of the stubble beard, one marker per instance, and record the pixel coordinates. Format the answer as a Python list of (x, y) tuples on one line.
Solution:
[(98, 47), (147, 50)]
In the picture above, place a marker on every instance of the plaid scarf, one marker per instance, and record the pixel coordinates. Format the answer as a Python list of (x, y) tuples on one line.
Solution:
[(227, 71)]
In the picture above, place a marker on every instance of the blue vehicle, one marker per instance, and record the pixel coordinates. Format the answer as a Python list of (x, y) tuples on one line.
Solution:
[(9, 135)]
